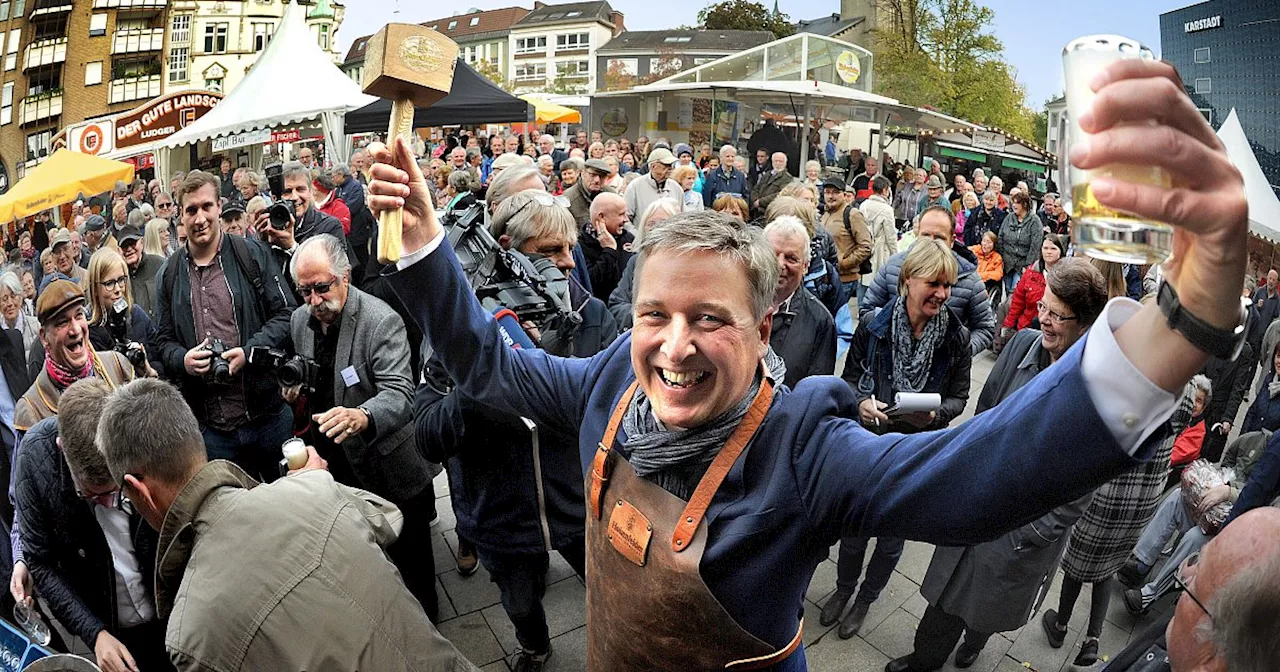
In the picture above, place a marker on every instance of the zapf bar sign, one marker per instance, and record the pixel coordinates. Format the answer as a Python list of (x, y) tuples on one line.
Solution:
[(1202, 24)]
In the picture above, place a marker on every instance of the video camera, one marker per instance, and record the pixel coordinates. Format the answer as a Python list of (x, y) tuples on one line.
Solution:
[(534, 289), (118, 327), (290, 370)]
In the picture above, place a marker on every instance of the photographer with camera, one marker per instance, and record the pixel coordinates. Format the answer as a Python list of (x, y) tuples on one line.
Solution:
[(217, 298), (290, 221), (353, 370), (515, 497), (115, 321)]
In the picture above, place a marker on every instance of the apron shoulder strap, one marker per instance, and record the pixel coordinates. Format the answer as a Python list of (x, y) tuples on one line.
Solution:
[(600, 464), (719, 469)]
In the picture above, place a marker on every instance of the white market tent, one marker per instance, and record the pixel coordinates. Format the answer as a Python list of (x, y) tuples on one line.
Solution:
[(292, 81), (1264, 207), (802, 70)]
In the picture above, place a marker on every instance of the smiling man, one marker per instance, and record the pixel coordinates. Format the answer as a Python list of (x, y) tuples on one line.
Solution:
[(693, 537), (804, 334)]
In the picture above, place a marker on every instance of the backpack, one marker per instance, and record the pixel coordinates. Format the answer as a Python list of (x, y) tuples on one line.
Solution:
[(865, 267), (239, 250)]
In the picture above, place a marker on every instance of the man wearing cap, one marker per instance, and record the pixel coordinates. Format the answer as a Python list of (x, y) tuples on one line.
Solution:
[(69, 356), (770, 184), (234, 220), (590, 184), (848, 229), (655, 185), (65, 256), (143, 268), (932, 196), (98, 235)]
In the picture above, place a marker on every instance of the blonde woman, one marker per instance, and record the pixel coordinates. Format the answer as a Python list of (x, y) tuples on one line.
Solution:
[(686, 176), (115, 321), (155, 238), (730, 204)]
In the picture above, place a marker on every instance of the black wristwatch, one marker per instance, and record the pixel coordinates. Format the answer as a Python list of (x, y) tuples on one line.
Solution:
[(1221, 343)]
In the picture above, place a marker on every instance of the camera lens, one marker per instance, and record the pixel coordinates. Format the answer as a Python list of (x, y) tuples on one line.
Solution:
[(291, 373)]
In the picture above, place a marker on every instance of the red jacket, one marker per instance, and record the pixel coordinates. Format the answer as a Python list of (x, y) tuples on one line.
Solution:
[(1022, 306), (336, 208), (1186, 448)]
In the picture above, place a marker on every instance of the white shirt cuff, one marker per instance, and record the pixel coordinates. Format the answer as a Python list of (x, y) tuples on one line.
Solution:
[(1130, 405), (414, 257)]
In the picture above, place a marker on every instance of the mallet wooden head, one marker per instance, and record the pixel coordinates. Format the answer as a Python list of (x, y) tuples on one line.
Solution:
[(404, 61)]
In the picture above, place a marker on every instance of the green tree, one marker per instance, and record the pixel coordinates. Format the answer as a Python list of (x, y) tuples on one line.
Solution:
[(567, 85), (744, 15), (490, 72)]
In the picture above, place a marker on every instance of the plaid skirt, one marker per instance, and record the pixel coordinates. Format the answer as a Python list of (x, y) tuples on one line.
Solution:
[(1109, 529)]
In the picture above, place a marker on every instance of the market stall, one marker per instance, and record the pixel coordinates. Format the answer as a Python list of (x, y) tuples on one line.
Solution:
[(964, 147), (62, 178), (472, 101), (293, 89)]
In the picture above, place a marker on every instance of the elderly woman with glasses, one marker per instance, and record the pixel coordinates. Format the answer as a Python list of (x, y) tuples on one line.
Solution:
[(993, 587), (916, 344), (115, 321), (12, 302)]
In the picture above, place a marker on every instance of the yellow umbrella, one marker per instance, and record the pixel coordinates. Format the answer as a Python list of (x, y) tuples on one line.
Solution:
[(62, 179), (547, 112)]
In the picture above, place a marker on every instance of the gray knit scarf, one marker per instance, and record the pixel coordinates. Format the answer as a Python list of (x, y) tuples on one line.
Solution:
[(912, 359), (676, 459)]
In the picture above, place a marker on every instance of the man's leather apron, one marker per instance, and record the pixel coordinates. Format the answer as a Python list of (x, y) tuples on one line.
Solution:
[(647, 606)]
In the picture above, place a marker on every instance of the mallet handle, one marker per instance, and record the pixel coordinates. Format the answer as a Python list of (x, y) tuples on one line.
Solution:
[(391, 222)]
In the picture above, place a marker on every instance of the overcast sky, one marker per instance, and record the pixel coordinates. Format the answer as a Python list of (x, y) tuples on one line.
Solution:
[(1033, 38)]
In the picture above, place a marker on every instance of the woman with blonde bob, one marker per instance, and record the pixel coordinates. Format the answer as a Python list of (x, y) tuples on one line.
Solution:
[(114, 319), (686, 177), (155, 238)]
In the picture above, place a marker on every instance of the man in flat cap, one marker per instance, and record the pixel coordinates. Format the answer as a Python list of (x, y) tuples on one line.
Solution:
[(590, 184), (66, 259)]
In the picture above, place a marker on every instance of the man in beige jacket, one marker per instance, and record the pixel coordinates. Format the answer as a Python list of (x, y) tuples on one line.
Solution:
[(286, 576), (848, 228)]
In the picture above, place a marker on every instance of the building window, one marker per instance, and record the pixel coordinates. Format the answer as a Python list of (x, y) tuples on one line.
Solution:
[(1207, 113), (678, 38), (97, 25), (261, 36), (475, 21), (213, 84), (1202, 55), (1203, 85), (324, 36), (453, 24), (4, 10), (573, 41), (181, 29), (526, 72), (215, 38), (531, 45), (93, 73), (573, 69), (469, 53), (38, 145), (11, 49), (179, 61), (6, 104), (571, 15)]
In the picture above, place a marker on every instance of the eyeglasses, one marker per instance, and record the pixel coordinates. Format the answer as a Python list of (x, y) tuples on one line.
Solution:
[(115, 284), (163, 206), (318, 288), (1053, 318), (1184, 581), (123, 503)]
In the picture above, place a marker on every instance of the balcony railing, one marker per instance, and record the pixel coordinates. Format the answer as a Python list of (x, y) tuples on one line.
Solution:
[(126, 89), (138, 40), (130, 4), (45, 52), (40, 106)]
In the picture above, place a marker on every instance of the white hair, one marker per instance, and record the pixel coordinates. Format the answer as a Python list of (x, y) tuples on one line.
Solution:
[(727, 149), (335, 252), (788, 226), (668, 206)]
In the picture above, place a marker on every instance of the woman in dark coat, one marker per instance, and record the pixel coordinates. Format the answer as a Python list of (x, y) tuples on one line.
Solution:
[(914, 344), (1264, 412), (996, 586)]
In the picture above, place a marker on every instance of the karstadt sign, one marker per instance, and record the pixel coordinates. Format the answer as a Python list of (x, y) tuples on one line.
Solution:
[(1202, 24)]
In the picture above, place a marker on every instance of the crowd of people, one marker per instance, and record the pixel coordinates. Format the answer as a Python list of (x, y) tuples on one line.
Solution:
[(683, 439)]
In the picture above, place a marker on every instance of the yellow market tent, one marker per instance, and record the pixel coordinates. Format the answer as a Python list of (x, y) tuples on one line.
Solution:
[(549, 113), (62, 179)]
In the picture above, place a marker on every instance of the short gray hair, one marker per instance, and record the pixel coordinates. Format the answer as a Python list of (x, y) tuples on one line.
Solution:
[(711, 231), (341, 169), (788, 226), (295, 169), (571, 164), (334, 250), (538, 216), (9, 280), (1244, 629), (1201, 383), (147, 429), (461, 181), (137, 218), (729, 148), (504, 184), (668, 206)]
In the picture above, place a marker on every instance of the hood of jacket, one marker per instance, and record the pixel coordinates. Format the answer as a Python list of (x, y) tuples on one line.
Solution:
[(178, 533)]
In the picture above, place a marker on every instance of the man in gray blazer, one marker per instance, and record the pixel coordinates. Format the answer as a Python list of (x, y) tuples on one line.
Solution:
[(361, 407)]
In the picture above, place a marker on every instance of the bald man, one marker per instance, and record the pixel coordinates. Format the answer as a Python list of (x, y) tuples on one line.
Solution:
[(606, 243), (770, 184)]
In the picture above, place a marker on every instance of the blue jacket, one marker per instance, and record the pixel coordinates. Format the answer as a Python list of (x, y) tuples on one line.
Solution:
[(718, 183), (1264, 481), (1264, 412), (812, 474)]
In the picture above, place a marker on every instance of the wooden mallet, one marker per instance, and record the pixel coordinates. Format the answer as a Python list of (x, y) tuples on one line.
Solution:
[(412, 66)]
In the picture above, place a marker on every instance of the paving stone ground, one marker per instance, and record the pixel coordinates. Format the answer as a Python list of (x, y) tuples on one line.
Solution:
[(478, 626)]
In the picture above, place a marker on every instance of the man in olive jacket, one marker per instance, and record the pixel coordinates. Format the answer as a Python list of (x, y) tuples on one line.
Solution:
[(286, 576)]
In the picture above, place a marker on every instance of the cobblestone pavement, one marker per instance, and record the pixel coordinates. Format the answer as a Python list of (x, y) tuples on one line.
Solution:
[(474, 621)]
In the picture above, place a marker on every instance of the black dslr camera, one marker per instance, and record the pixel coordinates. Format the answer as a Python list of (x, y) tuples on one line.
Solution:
[(118, 327), (219, 368), (290, 370), (533, 288)]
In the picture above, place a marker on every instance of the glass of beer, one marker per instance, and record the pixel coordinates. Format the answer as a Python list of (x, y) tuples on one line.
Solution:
[(1096, 229)]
